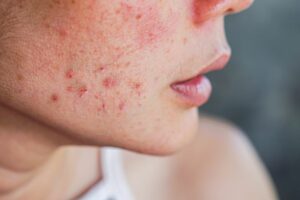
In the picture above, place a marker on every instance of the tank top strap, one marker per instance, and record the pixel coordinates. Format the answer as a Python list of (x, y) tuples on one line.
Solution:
[(113, 185)]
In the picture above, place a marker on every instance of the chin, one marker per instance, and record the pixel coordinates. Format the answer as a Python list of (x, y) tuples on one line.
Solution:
[(169, 147), (166, 142)]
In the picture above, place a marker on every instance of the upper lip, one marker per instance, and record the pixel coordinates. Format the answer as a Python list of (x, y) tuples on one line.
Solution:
[(218, 64)]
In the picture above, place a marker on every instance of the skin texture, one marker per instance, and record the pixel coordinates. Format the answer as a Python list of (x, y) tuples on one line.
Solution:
[(98, 72), (86, 67), (220, 164)]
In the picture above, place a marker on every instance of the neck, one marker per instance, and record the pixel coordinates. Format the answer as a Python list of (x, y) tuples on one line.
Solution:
[(31, 153)]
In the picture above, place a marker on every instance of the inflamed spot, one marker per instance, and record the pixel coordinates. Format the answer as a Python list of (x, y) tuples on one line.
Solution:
[(82, 90), (69, 74), (54, 97), (109, 82)]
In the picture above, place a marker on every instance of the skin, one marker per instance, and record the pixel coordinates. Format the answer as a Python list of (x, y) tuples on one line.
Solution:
[(76, 72), (211, 166), (94, 65)]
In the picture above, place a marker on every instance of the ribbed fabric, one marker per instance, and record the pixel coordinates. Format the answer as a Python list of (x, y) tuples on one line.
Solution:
[(114, 185)]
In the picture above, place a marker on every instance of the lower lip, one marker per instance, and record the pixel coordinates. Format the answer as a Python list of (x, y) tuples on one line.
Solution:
[(194, 92)]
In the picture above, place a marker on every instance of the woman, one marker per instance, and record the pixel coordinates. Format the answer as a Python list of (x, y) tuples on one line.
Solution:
[(79, 75)]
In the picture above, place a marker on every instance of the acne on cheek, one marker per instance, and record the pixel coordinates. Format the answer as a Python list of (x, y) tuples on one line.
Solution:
[(147, 21), (108, 91), (54, 98), (149, 28)]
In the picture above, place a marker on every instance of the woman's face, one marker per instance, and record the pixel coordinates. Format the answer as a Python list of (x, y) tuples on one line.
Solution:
[(102, 71)]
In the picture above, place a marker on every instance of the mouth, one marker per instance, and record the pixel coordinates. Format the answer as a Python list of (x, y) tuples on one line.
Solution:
[(196, 91)]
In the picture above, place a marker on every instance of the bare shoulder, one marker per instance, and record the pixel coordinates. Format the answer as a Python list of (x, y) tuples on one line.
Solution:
[(220, 163)]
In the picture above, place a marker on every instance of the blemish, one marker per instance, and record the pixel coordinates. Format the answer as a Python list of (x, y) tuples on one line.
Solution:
[(137, 85), (82, 90), (62, 33), (20, 77), (99, 69), (152, 26), (138, 16), (69, 74), (70, 89), (109, 82), (97, 96), (102, 107), (121, 106), (54, 97)]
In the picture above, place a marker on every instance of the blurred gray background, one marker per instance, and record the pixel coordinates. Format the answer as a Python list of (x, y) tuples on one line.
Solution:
[(260, 88)]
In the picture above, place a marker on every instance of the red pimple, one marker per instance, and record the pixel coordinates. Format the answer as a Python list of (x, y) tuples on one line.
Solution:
[(70, 89), (81, 91), (137, 85), (109, 82), (70, 74), (54, 97), (102, 107), (151, 26), (138, 16), (62, 33), (121, 105)]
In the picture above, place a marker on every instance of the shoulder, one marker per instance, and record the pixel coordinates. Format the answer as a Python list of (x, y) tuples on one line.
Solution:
[(220, 163)]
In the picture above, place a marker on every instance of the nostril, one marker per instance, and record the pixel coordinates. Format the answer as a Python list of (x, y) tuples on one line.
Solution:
[(204, 10), (230, 11)]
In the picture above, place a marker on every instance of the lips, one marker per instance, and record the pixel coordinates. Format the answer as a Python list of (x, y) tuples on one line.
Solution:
[(196, 90)]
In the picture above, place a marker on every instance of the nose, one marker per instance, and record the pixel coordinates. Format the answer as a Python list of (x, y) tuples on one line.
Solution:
[(204, 10)]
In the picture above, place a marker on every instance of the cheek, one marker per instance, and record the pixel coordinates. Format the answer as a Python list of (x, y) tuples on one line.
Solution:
[(148, 21), (120, 23), (87, 49)]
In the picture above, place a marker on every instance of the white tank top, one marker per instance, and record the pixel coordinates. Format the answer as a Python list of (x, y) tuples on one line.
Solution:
[(113, 185)]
